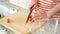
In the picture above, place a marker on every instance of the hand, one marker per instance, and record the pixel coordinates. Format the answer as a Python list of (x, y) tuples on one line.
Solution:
[(50, 13), (53, 12)]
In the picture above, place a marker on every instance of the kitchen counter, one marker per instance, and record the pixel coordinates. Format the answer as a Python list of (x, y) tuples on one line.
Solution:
[(17, 22)]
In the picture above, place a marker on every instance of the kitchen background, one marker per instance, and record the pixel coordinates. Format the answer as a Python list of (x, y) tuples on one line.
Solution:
[(7, 5)]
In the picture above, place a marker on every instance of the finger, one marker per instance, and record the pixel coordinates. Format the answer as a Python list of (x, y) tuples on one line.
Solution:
[(56, 16)]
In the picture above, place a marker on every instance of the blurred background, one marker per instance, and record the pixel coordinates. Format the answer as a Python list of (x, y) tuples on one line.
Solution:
[(8, 7)]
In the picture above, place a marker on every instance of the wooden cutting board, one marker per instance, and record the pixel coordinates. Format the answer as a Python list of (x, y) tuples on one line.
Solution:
[(17, 23)]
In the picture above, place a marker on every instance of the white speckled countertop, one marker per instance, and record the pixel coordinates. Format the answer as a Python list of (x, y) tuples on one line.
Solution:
[(49, 28)]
